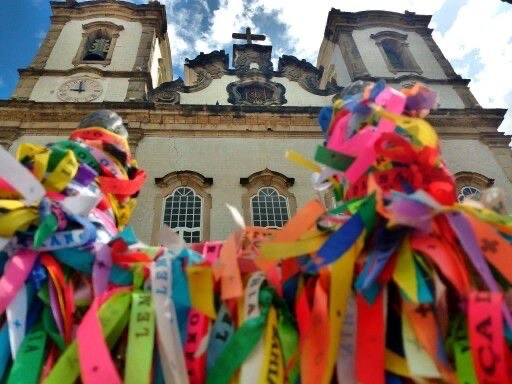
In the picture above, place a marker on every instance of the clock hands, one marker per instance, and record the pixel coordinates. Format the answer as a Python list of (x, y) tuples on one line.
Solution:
[(80, 88)]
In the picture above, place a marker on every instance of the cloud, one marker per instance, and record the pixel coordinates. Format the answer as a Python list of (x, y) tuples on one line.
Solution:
[(483, 27), (474, 35)]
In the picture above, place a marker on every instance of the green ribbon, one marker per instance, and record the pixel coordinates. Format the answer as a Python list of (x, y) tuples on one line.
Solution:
[(242, 343), (289, 337), (141, 339), (113, 315), (29, 361), (51, 328), (367, 212), (81, 153), (56, 155), (464, 362), (46, 228), (332, 159)]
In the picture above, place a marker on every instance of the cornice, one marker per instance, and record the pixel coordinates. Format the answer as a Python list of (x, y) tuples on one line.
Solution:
[(146, 75), (171, 178), (145, 119), (152, 13), (339, 21), (267, 174)]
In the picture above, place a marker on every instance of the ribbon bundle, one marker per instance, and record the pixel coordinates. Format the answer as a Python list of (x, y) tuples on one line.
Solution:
[(397, 283)]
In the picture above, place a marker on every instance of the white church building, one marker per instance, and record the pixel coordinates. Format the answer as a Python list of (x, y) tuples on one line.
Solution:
[(220, 134)]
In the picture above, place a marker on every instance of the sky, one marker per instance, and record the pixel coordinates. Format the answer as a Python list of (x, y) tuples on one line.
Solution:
[(474, 35)]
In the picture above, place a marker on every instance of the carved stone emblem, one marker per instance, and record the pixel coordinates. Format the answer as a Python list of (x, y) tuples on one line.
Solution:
[(256, 92), (167, 92)]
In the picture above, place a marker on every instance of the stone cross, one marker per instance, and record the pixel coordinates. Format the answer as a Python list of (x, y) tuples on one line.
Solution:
[(247, 36)]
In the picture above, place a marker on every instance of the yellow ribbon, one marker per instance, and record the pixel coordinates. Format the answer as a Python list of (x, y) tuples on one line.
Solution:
[(200, 283), (405, 272), (342, 271), (419, 128), (17, 220), (63, 173)]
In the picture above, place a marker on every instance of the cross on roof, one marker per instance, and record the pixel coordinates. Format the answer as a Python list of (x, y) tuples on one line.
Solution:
[(247, 36)]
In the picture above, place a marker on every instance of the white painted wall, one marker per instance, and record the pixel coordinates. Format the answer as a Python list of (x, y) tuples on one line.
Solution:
[(342, 75), (125, 50), (376, 64), (114, 89), (474, 156), (226, 160), (157, 54), (216, 91)]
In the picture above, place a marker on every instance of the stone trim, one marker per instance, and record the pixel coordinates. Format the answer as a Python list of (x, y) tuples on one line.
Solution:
[(113, 31), (47, 46), (306, 75), (266, 178), (24, 87), (144, 50), (137, 89), (9, 131), (84, 69), (151, 14), (400, 39), (338, 21), (472, 179), (350, 54), (468, 99), (276, 91), (426, 34), (159, 120), (168, 183)]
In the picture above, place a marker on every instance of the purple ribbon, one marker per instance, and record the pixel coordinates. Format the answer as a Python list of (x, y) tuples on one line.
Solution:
[(464, 232), (101, 268)]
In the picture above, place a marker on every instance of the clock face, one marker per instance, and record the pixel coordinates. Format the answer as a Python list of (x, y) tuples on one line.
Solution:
[(79, 90)]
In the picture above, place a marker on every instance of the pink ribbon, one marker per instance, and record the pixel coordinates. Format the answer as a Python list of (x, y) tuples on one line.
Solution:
[(15, 273)]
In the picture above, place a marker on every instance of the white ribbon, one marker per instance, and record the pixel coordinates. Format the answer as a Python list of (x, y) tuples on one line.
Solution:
[(85, 199), (168, 337), (251, 368), (318, 179), (16, 316), (345, 366), (20, 178)]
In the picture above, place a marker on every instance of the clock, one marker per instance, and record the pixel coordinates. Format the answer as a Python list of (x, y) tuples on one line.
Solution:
[(80, 90)]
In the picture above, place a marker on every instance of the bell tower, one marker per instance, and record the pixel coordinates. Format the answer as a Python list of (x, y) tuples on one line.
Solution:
[(95, 51), (396, 47)]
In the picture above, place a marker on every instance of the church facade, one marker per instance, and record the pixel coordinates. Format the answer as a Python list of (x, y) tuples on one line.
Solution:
[(219, 135)]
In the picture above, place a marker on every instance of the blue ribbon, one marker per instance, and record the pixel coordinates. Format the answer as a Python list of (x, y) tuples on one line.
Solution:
[(339, 242), (386, 243), (5, 349), (221, 332), (180, 296)]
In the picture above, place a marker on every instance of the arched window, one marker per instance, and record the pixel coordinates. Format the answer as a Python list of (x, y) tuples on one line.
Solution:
[(395, 51), (97, 47), (268, 201), (269, 208), (468, 191), (471, 185), (392, 51), (98, 41), (182, 212), (183, 203)]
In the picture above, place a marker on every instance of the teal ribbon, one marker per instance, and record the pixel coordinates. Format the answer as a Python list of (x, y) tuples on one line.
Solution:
[(82, 261)]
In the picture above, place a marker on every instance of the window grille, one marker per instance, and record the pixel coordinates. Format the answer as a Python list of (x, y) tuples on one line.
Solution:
[(269, 208), (182, 212)]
